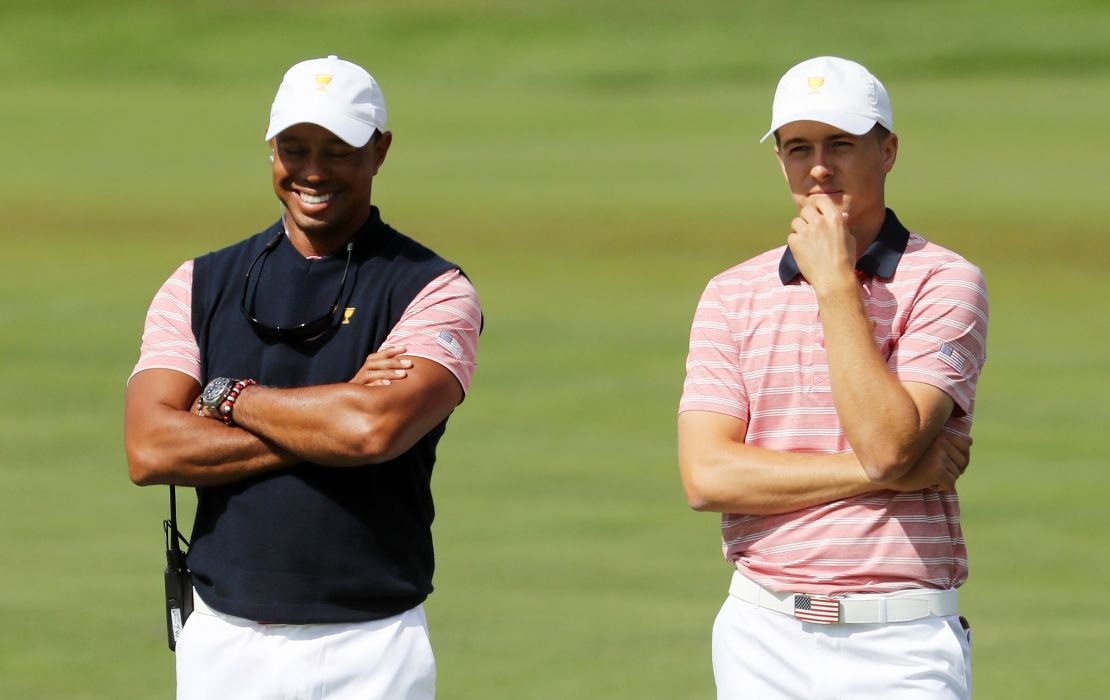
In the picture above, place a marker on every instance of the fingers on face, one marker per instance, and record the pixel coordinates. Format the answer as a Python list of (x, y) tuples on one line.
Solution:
[(816, 211), (807, 215), (823, 207), (798, 224)]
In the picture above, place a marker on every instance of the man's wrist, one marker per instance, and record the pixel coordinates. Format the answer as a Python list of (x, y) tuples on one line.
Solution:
[(227, 407), (837, 286)]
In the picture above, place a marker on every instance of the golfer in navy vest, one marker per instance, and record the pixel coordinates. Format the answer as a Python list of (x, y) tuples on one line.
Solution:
[(301, 379)]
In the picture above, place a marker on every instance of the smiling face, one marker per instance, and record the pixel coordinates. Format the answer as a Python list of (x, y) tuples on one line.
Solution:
[(324, 184), (820, 160)]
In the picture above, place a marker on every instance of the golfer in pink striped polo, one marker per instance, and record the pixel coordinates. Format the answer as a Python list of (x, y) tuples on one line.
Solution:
[(826, 413)]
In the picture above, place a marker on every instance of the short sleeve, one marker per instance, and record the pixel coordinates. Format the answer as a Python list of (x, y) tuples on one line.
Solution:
[(168, 340), (442, 324), (944, 343), (714, 381)]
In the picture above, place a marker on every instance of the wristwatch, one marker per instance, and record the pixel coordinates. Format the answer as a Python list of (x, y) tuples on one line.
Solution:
[(215, 393)]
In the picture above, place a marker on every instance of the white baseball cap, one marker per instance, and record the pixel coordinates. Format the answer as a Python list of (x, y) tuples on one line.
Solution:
[(332, 93), (834, 91)]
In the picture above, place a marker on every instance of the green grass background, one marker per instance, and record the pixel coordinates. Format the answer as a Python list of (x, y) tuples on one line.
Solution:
[(591, 164)]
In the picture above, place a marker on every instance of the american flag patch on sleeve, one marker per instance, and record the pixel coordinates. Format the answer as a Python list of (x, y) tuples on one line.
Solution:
[(951, 357), (448, 342), (816, 608)]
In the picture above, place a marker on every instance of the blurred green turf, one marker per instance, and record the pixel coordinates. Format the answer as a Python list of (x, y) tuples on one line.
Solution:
[(591, 164)]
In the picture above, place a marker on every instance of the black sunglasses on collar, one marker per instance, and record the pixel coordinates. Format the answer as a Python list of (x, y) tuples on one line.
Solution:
[(302, 331)]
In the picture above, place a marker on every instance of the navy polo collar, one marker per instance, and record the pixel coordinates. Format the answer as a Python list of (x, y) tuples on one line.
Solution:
[(880, 259)]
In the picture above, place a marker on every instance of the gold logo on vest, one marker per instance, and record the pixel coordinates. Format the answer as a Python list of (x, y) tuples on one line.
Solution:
[(347, 313)]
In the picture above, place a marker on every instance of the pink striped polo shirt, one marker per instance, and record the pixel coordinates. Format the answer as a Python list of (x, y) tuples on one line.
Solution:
[(757, 353), (440, 324)]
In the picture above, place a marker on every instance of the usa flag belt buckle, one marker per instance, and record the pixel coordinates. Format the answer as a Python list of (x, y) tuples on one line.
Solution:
[(820, 609)]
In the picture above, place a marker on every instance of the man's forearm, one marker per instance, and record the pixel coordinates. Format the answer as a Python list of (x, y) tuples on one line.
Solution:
[(351, 424), (331, 424), (756, 481), (880, 419), (168, 443), (186, 450), (723, 474)]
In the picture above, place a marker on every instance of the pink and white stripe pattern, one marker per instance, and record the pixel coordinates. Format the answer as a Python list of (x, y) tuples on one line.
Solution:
[(168, 340), (441, 324), (757, 353)]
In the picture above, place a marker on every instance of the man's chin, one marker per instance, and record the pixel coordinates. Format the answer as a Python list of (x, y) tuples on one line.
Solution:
[(834, 198), (325, 230), (313, 226)]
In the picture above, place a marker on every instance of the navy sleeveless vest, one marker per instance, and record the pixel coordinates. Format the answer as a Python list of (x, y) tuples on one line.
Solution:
[(313, 544)]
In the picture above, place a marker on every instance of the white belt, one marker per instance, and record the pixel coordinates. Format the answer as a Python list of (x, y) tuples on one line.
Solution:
[(857, 609)]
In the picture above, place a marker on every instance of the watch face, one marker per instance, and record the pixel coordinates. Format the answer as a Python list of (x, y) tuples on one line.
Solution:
[(216, 391)]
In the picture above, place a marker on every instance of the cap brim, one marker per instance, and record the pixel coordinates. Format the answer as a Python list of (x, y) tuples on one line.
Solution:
[(851, 123), (352, 131)]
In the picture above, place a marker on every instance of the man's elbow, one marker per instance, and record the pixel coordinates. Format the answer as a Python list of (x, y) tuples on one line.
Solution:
[(699, 490), (377, 441), (699, 502), (141, 477), (372, 449), (142, 469), (884, 465)]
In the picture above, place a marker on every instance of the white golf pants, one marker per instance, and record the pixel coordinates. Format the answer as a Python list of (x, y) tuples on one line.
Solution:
[(221, 656), (766, 655)]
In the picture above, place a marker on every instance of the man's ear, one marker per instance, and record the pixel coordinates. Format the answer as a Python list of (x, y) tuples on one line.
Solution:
[(782, 165), (381, 149), (890, 152)]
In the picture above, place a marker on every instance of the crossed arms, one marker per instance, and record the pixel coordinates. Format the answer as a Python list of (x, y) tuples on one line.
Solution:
[(721, 473), (372, 418), (894, 428)]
